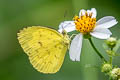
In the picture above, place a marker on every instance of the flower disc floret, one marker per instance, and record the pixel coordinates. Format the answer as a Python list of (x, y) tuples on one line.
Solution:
[(85, 23)]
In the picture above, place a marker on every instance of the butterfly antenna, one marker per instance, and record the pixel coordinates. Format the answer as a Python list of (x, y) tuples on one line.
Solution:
[(65, 14), (63, 30), (64, 19)]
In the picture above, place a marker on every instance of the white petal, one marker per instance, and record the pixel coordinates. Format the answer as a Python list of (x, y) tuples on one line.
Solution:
[(68, 26), (101, 33), (82, 12), (94, 12), (75, 48), (88, 12), (106, 22)]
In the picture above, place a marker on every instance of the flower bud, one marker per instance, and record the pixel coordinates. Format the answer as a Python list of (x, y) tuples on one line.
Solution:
[(106, 67), (115, 74), (110, 53), (111, 42)]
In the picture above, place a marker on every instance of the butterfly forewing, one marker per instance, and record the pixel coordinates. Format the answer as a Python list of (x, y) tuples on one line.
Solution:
[(44, 46)]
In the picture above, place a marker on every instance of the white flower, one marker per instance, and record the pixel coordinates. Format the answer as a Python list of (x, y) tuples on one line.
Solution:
[(86, 24)]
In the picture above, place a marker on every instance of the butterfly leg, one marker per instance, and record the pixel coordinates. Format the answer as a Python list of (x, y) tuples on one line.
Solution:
[(71, 39), (72, 36)]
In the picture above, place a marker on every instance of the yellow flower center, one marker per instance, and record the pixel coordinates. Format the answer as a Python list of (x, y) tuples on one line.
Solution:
[(85, 23)]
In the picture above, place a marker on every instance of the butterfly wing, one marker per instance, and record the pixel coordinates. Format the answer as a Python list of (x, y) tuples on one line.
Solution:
[(44, 47)]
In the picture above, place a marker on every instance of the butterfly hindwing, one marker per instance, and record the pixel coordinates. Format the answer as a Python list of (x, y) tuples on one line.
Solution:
[(44, 46)]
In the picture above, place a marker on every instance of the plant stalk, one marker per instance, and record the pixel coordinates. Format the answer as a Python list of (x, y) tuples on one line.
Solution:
[(99, 54)]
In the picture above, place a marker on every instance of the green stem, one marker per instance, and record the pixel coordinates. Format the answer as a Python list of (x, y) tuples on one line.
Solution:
[(96, 50), (111, 58)]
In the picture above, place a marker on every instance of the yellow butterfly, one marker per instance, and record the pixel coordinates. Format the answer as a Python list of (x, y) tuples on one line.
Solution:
[(45, 47)]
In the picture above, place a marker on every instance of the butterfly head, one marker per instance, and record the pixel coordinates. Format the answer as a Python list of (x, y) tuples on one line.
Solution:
[(66, 39)]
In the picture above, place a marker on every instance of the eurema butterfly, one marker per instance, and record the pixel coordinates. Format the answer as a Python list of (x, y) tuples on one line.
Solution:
[(45, 47)]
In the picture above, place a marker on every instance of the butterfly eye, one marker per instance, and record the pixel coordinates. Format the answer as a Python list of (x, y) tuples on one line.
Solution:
[(63, 32)]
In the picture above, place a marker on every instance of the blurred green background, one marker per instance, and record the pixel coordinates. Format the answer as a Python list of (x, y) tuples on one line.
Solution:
[(17, 14)]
